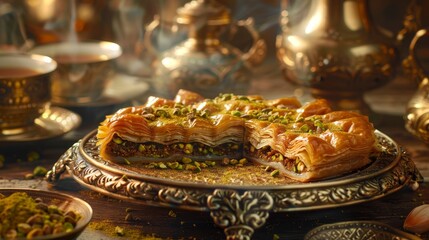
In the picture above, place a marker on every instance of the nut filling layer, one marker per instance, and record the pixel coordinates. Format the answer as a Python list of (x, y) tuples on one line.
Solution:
[(157, 151), (272, 156)]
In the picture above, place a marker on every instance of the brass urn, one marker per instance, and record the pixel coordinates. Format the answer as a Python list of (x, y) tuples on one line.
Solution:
[(333, 48), (203, 62)]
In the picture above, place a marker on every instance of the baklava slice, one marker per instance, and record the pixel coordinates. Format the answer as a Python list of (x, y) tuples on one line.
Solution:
[(313, 143), (165, 130)]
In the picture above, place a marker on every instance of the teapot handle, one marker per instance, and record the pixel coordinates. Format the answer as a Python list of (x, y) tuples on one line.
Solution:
[(411, 64), (147, 40), (256, 54)]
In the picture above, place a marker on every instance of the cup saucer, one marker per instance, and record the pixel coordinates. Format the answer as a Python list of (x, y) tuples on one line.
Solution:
[(52, 123), (121, 88)]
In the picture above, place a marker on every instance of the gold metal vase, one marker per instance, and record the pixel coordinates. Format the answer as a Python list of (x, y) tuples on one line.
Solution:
[(417, 113), (333, 48)]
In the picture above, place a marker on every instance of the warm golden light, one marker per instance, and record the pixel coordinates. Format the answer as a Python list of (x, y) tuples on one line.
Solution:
[(351, 15), (315, 21), (42, 10)]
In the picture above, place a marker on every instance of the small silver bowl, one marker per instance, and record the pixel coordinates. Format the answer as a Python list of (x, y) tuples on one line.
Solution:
[(358, 230)]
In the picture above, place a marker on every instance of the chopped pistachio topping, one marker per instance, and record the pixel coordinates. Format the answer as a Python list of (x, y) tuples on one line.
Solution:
[(304, 128), (236, 113)]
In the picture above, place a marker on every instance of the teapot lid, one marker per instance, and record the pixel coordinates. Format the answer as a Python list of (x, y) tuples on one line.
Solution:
[(210, 11)]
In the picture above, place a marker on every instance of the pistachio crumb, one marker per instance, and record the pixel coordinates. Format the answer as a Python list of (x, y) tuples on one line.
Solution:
[(186, 160), (234, 161), (33, 156), (117, 140), (162, 165), (39, 171), (119, 231), (243, 161), (29, 176), (275, 173), (171, 213), (189, 148)]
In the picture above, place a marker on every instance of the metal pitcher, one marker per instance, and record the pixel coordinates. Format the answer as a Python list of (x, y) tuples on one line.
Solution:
[(203, 63), (333, 48), (417, 113)]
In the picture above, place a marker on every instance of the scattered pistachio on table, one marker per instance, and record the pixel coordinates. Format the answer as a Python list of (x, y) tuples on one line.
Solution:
[(29, 157), (38, 171), (33, 156), (171, 213)]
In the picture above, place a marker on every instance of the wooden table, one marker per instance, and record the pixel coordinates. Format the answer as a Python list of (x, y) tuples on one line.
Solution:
[(156, 222)]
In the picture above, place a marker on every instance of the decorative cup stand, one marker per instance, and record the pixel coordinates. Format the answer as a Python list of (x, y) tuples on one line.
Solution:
[(238, 208)]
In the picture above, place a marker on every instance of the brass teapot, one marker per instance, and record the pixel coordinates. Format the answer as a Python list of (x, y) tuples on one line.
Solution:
[(417, 112), (203, 63)]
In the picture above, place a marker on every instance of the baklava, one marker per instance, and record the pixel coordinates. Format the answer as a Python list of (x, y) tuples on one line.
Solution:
[(304, 142)]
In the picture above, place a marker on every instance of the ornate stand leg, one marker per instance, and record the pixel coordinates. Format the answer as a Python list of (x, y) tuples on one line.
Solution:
[(60, 166), (239, 215)]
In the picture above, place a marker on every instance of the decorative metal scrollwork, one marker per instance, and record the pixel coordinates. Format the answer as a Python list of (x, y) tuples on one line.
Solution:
[(182, 196), (60, 166), (239, 214)]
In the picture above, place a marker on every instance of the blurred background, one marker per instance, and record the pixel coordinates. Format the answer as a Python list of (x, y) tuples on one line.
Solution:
[(125, 22)]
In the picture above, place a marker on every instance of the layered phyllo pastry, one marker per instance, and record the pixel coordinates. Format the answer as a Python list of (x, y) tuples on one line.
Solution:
[(304, 142)]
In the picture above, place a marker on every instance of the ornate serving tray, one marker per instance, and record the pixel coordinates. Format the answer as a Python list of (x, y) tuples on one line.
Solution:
[(239, 198)]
